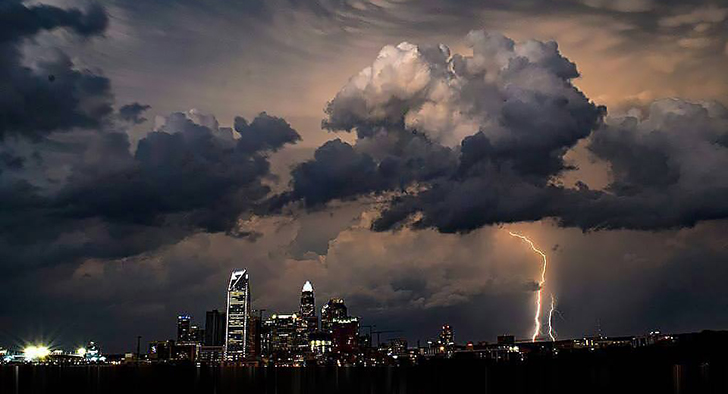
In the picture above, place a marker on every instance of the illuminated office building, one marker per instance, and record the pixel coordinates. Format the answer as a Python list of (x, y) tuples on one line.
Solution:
[(281, 340), (446, 339), (238, 317), (184, 329)]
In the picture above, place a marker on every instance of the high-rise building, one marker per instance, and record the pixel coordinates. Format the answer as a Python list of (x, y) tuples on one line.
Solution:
[(345, 333), (334, 309), (254, 334), (197, 334), (238, 316), (184, 331), (308, 308), (280, 340), (214, 328), (308, 322), (446, 339)]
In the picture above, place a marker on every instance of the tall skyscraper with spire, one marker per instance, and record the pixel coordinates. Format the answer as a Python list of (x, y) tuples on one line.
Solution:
[(238, 317), (307, 322), (308, 308)]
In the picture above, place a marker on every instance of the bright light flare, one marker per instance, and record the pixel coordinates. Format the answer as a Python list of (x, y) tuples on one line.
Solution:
[(81, 351), (537, 316), (32, 353)]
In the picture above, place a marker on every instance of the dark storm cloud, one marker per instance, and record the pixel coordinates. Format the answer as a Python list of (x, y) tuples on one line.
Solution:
[(133, 113), (667, 167), (337, 171), (182, 168), (182, 179), (190, 175), (264, 133), (18, 20), (49, 94), (383, 162)]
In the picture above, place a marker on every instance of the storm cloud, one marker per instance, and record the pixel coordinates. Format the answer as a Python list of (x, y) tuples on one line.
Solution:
[(667, 166), (496, 125), (183, 178), (72, 186), (48, 94), (491, 131)]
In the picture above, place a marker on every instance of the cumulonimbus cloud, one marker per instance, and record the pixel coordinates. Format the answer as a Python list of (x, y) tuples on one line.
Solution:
[(491, 130)]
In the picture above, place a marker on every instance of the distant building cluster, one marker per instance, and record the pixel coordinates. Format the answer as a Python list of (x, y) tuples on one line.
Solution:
[(242, 336)]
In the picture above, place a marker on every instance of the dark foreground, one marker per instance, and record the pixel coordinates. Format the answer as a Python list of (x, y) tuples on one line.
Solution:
[(447, 376)]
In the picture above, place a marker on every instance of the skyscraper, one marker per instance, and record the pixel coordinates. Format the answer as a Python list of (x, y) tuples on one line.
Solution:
[(345, 333), (238, 316), (446, 339), (184, 332), (214, 328), (307, 323), (308, 308), (334, 309)]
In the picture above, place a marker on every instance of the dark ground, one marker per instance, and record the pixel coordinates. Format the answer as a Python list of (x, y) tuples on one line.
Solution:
[(696, 365)]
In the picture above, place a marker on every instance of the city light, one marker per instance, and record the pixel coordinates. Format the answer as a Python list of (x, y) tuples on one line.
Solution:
[(32, 353), (81, 351)]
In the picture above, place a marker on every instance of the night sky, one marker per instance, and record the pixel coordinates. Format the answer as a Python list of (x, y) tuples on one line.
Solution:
[(381, 149)]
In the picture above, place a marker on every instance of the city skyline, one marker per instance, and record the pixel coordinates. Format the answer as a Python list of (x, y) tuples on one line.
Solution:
[(541, 169), (296, 339)]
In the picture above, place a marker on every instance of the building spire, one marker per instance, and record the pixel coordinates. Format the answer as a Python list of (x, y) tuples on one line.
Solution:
[(307, 287)]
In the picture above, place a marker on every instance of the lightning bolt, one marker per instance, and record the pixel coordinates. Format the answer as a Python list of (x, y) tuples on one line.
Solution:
[(552, 333), (537, 316)]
